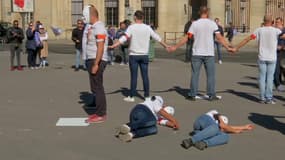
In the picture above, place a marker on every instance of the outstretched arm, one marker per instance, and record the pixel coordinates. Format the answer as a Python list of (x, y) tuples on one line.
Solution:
[(245, 41), (222, 40), (234, 129)]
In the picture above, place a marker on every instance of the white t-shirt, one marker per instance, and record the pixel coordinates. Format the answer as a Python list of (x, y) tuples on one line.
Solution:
[(139, 36), (154, 106), (91, 35), (203, 31), (211, 114), (267, 38)]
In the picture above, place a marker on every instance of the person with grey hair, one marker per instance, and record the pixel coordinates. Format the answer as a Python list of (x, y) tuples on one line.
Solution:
[(144, 118), (267, 37), (211, 129)]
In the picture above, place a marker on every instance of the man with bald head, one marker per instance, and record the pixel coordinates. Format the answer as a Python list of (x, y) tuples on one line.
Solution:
[(203, 31), (267, 37), (94, 47)]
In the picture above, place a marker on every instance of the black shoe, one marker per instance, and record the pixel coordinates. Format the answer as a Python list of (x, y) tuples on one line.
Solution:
[(191, 98), (213, 98), (200, 145), (187, 143), (76, 69)]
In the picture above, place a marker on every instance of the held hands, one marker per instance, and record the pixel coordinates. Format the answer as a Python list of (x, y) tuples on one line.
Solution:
[(171, 48)]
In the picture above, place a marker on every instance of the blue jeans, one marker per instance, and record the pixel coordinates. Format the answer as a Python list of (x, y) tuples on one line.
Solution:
[(218, 46), (209, 64), (78, 58), (208, 131), (266, 75), (142, 121), (134, 63)]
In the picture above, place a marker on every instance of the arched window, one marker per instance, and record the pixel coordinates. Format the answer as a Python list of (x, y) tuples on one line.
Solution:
[(112, 12), (150, 10)]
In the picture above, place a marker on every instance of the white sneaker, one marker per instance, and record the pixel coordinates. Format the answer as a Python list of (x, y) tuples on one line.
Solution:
[(122, 64), (129, 99), (126, 137), (220, 62), (147, 98), (123, 129)]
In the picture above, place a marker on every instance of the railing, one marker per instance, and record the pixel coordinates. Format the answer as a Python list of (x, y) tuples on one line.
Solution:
[(172, 37)]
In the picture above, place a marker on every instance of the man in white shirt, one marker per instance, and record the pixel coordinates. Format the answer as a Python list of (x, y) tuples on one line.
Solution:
[(139, 36), (203, 31), (267, 37), (94, 47)]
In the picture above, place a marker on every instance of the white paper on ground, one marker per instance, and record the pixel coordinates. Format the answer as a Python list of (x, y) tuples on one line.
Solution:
[(72, 122)]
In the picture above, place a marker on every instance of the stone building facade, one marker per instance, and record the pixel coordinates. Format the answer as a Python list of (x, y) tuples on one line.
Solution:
[(168, 15)]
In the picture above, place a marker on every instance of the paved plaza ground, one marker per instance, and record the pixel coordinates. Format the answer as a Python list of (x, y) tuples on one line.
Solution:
[(32, 101)]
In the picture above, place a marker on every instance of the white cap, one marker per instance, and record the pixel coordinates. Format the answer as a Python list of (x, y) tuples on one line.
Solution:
[(225, 119), (157, 100), (169, 110)]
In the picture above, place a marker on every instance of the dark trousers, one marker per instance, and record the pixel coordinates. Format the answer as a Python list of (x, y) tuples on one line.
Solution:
[(15, 50), (32, 57), (96, 85), (142, 121), (277, 74), (134, 63)]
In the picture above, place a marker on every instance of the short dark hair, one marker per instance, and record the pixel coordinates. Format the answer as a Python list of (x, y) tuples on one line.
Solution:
[(204, 10), (139, 15)]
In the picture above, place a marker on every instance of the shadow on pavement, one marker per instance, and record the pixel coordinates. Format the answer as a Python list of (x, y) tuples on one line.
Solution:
[(88, 101), (250, 84), (243, 95), (125, 92), (250, 65), (268, 121)]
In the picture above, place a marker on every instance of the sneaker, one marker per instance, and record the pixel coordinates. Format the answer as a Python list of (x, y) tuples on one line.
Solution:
[(96, 119), (270, 101), (191, 98), (200, 145), (214, 98), (187, 143), (126, 137), (32, 68), (147, 98), (20, 68), (262, 101), (220, 62), (129, 99), (123, 129), (122, 64), (12, 68), (76, 69)]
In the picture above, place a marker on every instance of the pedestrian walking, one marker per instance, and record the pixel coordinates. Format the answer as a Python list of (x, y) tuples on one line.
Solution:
[(77, 34)]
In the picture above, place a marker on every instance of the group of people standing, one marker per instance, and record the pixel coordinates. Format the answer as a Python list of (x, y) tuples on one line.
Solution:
[(36, 45)]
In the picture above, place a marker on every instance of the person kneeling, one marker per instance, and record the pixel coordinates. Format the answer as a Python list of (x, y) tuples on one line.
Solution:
[(144, 119)]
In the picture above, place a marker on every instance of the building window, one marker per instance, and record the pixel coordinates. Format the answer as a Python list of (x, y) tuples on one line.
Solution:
[(112, 12), (150, 11), (76, 11), (276, 8), (237, 13)]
